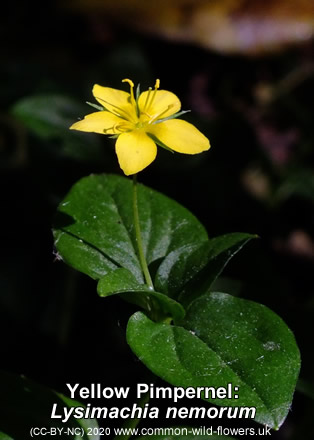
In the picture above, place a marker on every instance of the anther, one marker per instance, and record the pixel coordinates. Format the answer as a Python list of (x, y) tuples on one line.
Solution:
[(108, 129), (126, 80)]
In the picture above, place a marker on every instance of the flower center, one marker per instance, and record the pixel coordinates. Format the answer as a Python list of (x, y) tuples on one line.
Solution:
[(142, 117)]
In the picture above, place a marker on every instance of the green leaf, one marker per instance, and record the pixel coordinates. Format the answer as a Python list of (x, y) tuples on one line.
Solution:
[(5, 437), (189, 271), (49, 118), (221, 250), (121, 281), (224, 340), (46, 115), (181, 266), (94, 230), (25, 404), (94, 233)]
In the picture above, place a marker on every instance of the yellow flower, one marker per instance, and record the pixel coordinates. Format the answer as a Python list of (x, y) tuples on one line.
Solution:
[(139, 123)]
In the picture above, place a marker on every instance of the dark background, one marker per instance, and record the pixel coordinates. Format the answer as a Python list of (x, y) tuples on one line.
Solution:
[(258, 177)]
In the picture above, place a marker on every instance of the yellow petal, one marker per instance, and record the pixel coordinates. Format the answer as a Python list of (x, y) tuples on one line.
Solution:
[(180, 136), (157, 103), (115, 101), (135, 151), (103, 123)]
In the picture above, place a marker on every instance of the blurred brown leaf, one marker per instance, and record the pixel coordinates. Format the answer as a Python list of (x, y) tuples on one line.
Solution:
[(230, 26)]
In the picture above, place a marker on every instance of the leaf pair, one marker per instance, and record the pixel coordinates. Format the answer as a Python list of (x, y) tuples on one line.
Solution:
[(95, 234), (216, 338)]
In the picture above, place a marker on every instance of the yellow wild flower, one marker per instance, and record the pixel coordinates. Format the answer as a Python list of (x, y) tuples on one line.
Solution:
[(139, 122)]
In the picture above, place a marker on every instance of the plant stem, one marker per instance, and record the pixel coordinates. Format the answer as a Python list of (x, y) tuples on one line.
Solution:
[(132, 423), (138, 236)]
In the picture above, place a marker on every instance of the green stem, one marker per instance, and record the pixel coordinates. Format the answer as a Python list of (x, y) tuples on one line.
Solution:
[(132, 423), (141, 255)]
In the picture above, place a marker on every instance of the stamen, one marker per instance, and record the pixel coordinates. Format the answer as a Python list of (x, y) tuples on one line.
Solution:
[(119, 127), (155, 117), (108, 129), (122, 114), (157, 84), (147, 114), (147, 98), (131, 84), (116, 128)]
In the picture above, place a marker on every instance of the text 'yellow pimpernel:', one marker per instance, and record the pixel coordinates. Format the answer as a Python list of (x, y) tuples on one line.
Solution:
[(139, 122)]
